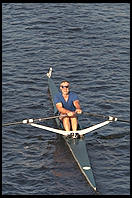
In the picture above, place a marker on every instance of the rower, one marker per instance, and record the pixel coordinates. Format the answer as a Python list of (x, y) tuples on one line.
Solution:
[(67, 103)]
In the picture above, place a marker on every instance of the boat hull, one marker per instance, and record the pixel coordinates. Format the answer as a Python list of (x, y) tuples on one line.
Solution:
[(77, 146)]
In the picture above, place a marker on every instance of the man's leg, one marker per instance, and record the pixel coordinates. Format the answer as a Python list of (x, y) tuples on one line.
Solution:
[(66, 123), (74, 123)]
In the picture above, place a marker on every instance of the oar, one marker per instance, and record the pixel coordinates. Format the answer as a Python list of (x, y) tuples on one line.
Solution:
[(30, 120), (103, 116), (53, 117)]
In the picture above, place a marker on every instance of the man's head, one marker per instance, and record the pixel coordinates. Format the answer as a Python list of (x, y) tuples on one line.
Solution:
[(64, 87)]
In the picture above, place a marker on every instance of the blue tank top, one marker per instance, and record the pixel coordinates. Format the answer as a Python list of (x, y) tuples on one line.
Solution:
[(69, 104)]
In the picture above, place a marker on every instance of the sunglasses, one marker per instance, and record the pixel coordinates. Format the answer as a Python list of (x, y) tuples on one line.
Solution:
[(65, 86)]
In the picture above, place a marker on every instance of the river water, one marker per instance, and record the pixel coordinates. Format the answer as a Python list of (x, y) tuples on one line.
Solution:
[(89, 45)]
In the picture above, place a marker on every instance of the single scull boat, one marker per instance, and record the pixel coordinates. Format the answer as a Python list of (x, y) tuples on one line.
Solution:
[(77, 146)]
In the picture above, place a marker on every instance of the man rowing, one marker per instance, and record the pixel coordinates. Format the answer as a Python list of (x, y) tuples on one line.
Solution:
[(68, 105)]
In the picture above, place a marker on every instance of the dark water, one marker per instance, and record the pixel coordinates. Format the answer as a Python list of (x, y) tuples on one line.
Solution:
[(89, 45)]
